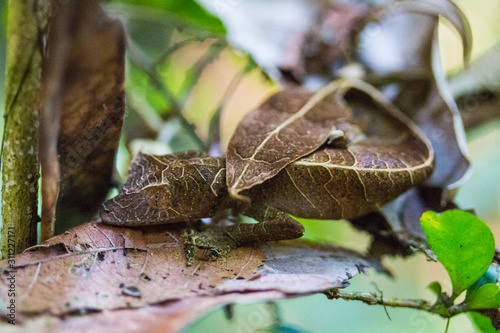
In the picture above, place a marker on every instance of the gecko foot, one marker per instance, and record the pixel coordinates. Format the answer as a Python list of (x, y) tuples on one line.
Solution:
[(213, 242)]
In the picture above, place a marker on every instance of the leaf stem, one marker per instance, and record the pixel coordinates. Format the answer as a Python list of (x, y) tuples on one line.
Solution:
[(419, 304)]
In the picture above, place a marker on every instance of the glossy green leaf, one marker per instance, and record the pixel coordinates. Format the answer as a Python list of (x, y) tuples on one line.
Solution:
[(462, 243), (435, 287), (486, 297)]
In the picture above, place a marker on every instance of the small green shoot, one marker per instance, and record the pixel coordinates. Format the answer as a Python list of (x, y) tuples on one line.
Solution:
[(462, 243)]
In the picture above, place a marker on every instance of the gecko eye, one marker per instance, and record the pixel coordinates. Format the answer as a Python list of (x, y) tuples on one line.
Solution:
[(157, 197)]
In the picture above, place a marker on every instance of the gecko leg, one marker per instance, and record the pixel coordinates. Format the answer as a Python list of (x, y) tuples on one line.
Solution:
[(216, 241)]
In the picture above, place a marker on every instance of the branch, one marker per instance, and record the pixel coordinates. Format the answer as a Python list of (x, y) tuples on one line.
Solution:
[(419, 304)]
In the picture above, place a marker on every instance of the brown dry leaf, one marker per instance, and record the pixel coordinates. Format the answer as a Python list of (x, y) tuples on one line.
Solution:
[(395, 45), (421, 98), (334, 182), (290, 124), (83, 108), (416, 79), (96, 267)]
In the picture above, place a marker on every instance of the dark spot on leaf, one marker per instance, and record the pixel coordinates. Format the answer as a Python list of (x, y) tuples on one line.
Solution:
[(121, 285), (144, 277), (125, 252), (101, 256)]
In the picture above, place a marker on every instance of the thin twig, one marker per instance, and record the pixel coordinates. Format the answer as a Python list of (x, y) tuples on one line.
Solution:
[(374, 299), (143, 268), (382, 300), (142, 62)]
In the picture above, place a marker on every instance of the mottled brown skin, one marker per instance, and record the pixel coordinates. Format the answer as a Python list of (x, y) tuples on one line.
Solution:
[(315, 159)]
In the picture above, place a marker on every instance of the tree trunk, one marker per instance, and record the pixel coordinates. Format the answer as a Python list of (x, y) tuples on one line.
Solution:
[(20, 167)]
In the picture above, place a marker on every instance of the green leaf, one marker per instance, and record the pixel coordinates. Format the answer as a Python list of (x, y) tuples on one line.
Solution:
[(482, 322), (188, 11), (141, 86), (435, 287), (462, 243), (486, 297)]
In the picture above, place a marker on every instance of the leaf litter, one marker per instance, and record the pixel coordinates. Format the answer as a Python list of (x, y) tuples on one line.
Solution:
[(95, 267)]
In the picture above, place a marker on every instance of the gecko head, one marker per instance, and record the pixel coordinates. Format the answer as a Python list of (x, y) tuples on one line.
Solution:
[(121, 210), (167, 189)]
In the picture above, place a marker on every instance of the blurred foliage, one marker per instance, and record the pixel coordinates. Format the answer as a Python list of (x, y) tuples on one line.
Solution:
[(181, 75), (3, 41), (185, 12), (485, 29)]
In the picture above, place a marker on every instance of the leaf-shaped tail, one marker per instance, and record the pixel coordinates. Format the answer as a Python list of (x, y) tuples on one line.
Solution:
[(290, 124)]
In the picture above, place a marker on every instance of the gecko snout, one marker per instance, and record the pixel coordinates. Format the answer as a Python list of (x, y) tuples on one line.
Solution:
[(108, 215)]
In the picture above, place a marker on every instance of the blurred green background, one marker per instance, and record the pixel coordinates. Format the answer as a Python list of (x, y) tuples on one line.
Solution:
[(201, 82)]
